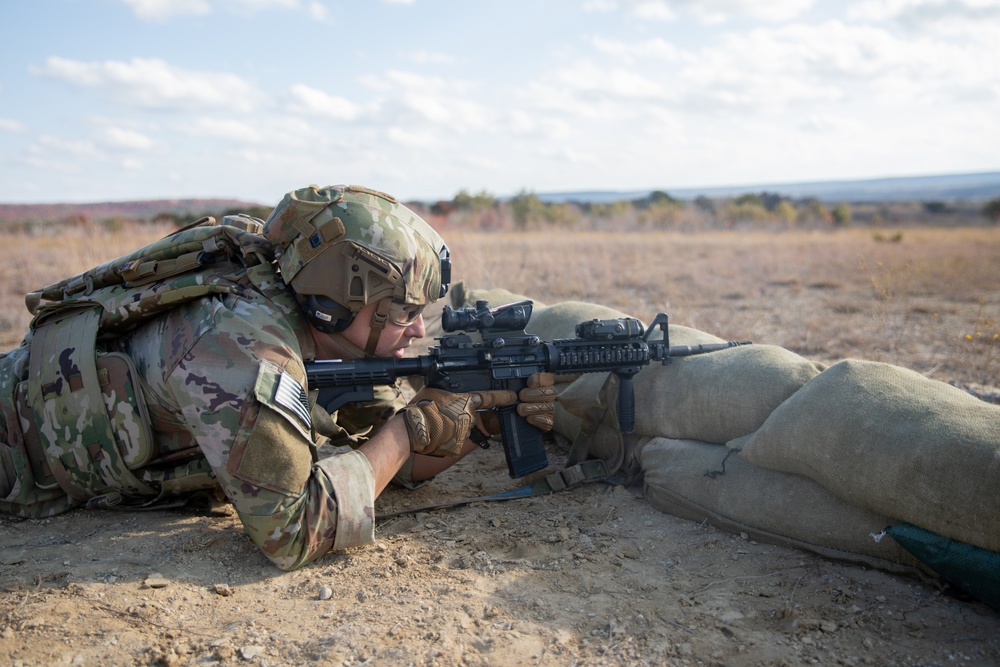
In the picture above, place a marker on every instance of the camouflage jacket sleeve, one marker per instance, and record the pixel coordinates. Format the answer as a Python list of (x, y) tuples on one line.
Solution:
[(355, 423), (233, 373)]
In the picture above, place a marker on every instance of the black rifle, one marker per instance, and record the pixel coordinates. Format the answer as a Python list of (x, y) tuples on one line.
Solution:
[(505, 356)]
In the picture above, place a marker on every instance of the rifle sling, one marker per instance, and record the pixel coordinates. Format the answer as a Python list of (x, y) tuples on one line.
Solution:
[(581, 473)]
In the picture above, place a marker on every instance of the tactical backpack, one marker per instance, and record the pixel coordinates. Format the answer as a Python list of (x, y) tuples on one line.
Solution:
[(73, 421)]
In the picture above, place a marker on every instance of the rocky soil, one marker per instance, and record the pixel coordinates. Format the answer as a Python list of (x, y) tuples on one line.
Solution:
[(589, 576)]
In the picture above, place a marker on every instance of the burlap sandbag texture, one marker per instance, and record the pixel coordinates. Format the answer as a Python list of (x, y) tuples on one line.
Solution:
[(560, 319), (712, 397), (894, 442), (462, 296), (698, 481)]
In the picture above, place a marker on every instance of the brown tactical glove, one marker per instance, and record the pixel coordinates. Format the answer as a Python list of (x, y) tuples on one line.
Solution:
[(439, 422), (538, 401), (537, 405)]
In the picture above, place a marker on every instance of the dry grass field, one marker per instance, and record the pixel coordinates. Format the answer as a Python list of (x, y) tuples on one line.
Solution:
[(929, 301), (925, 298), (591, 576)]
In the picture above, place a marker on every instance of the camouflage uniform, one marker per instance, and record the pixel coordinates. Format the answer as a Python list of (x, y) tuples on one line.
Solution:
[(209, 371), (181, 369), (213, 366)]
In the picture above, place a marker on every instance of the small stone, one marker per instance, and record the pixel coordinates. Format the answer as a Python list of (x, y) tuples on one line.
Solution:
[(225, 590), (325, 593), (223, 652), (731, 616), (250, 652)]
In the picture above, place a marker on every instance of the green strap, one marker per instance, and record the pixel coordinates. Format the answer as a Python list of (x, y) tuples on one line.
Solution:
[(581, 473)]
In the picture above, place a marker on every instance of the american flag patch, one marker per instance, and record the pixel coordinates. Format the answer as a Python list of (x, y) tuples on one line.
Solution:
[(290, 395)]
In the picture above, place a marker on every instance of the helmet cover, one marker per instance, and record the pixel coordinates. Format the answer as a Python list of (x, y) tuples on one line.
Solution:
[(356, 246)]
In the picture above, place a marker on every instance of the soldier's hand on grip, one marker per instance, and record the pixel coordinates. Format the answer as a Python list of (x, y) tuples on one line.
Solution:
[(538, 401), (439, 422)]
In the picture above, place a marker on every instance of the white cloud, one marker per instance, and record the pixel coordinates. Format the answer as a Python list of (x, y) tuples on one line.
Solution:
[(604, 93), (154, 84), (778, 68), (399, 79), (924, 12), (825, 124), (310, 101), (254, 6), (318, 11), (446, 104), (651, 10), (411, 139), (600, 6), (652, 49), (708, 11), (49, 147), (431, 58), (10, 125), (162, 10), (217, 128), (717, 11), (119, 137)]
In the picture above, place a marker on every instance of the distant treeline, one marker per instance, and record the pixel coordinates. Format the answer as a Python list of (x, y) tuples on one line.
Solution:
[(659, 210), (527, 211)]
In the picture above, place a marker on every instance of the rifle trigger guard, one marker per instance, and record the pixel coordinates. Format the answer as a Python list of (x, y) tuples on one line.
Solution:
[(479, 438)]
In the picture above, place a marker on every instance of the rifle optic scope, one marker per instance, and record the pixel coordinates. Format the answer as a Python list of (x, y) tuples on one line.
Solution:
[(509, 317)]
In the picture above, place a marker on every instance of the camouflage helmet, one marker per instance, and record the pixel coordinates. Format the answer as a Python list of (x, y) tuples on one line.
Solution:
[(371, 248)]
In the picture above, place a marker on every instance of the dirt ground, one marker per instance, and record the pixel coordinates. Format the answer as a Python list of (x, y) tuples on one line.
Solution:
[(589, 576)]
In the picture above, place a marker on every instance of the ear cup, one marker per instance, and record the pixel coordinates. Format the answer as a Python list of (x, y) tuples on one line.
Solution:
[(327, 315)]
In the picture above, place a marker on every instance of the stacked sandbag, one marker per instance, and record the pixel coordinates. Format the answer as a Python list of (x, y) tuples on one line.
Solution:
[(706, 481), (559, 320), (712, 397), (461, 296), (894, 442)]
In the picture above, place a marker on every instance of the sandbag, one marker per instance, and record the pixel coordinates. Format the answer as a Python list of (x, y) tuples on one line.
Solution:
[(894, 442), (698, 481), (461, 296), (712, 397), (559, 320)]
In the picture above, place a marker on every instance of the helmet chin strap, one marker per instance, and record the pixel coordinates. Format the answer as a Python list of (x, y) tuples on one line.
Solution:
[(379, 318), (377, 324)]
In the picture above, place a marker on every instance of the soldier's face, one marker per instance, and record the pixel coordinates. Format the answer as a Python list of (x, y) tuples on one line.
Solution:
[(395, 337)]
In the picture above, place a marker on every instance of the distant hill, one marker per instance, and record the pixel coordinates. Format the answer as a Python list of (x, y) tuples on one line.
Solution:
[(944, 188), (129, 210), (950, 187)]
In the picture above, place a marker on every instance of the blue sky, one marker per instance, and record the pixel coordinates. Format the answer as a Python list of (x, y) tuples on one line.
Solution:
[(137, 99)]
